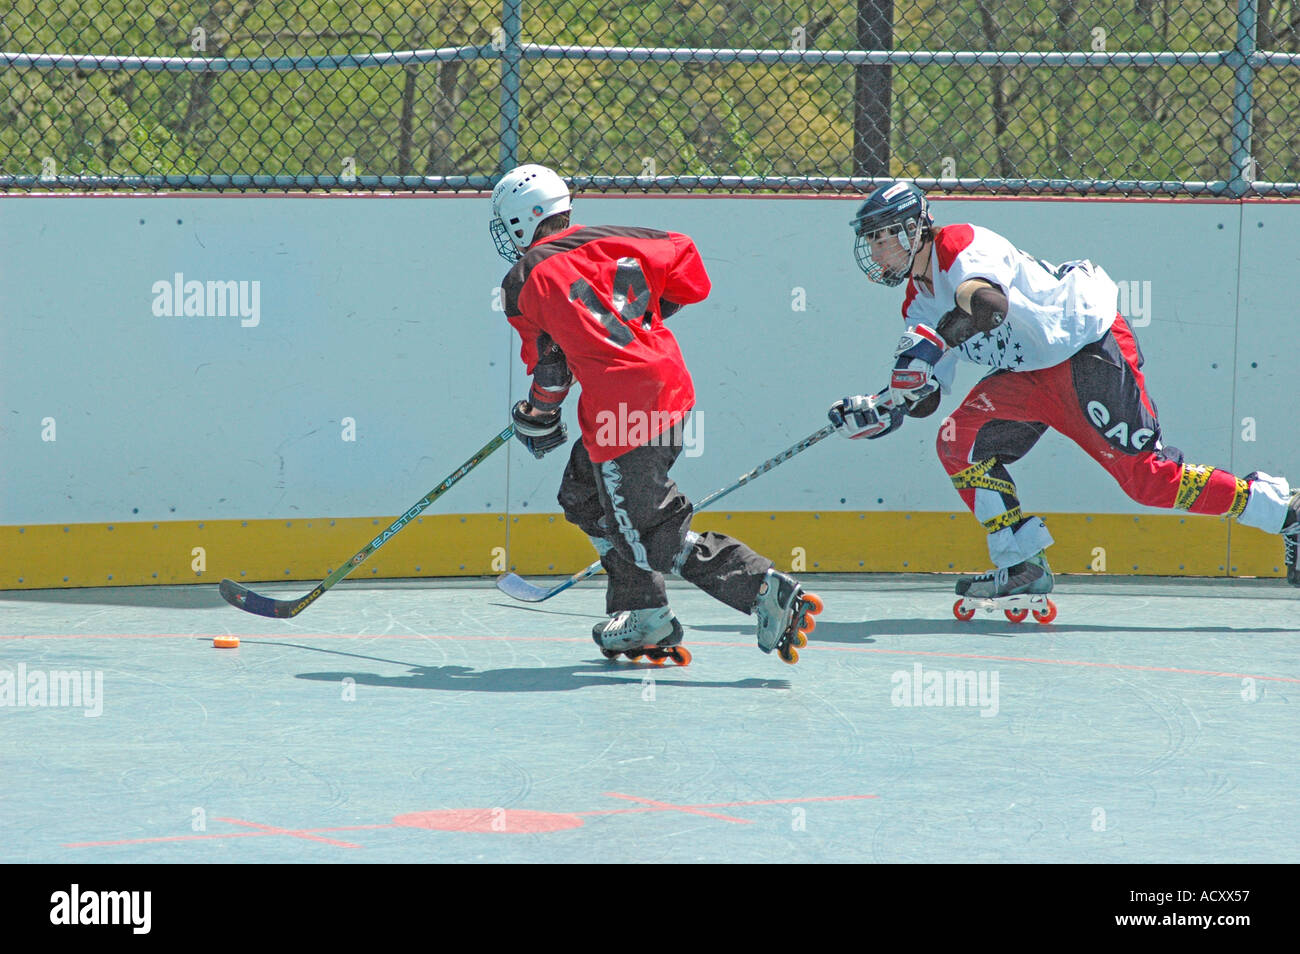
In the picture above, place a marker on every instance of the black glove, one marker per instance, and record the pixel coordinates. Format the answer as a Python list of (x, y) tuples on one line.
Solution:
[(538, 434)]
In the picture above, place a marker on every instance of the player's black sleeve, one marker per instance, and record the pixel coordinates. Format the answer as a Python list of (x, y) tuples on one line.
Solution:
[(988, 309)]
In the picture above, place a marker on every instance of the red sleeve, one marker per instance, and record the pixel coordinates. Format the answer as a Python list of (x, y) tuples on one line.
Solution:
[(687, 282), (529, 333)]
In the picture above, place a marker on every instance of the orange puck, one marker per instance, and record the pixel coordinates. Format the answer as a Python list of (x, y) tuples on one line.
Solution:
[(225, 642)]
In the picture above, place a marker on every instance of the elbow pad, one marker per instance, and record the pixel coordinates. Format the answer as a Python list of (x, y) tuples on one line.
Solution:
[(988, 309)]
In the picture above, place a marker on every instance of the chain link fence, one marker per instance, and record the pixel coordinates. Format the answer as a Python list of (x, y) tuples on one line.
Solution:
[(1040, 96)]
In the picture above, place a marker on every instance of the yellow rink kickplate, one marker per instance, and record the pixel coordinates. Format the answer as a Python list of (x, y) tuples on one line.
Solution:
[(247, 551)]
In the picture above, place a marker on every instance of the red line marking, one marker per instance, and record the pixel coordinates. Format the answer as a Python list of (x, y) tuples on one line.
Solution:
[(238, 834), (936, 196), (258, 194), (141, 841), (515, 821), (589, 195), (304, 834), (1099, 197), (769, 801), (269, 831), (789, 801), (665, 806)]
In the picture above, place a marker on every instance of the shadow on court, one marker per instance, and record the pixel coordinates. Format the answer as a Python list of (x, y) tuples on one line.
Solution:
[(521, 679), (557, 679)]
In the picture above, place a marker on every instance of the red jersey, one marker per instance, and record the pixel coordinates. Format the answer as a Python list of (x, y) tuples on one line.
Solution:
[(599, 294)]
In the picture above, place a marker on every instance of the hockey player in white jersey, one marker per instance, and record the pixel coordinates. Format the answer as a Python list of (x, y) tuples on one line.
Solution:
[(1061, 356)]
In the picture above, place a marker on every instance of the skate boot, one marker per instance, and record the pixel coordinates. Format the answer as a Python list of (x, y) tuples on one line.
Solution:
[(1016, 590), (1291, 539), (785, 615), (653, 633)]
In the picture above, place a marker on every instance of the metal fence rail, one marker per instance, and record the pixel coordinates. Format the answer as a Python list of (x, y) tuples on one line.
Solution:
[(671, 95)]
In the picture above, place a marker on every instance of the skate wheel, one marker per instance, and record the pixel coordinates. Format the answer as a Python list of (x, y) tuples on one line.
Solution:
[(681, 656), (789, 654), (807, 624), (1016, 615), (610, 653), (658, 660), (964, 615), (1048, 616), (799, 639), (813, 602), (634, 654)]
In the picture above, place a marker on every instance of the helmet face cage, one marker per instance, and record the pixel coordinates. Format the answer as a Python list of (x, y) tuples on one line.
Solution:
[(898, 209), (501, 238), (909, 238)]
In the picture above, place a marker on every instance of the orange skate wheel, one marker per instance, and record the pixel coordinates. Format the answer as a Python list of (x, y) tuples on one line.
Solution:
[(659, 660), (1016, 615), (682, 655), (815, 604), (799, 639), (790, 655), (964, 615), (807, 624), (1048, 616)]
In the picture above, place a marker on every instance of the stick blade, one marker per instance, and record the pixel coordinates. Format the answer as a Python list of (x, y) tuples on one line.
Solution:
[(241, 597), (516, 587)]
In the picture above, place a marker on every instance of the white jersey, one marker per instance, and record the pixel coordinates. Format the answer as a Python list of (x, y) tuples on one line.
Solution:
[(1052, 311)]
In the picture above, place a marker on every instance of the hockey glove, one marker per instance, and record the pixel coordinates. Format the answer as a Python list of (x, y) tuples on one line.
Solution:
[(913, 379), (538, 434), (868, 416)]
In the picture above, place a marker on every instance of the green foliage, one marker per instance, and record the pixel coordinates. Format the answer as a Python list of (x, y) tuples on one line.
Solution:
[(586, 116)]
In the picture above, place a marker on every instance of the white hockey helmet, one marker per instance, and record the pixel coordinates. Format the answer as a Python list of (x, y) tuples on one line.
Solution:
[(525, 196)]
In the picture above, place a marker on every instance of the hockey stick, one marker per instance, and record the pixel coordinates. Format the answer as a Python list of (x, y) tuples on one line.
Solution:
[(245, 599), (517, 587)]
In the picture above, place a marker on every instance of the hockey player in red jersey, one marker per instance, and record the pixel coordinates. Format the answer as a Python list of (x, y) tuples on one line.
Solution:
[(1060, 356), (589, 303)]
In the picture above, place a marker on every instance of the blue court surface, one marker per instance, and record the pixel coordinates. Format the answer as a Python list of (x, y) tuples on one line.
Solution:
[(1153, 721)]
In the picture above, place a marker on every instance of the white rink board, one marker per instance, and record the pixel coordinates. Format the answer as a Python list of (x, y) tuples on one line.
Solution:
[(365, 313), (1267, 392), (381, 310)]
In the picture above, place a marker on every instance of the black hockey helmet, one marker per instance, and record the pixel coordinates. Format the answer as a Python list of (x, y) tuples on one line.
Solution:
[(898, 208)]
